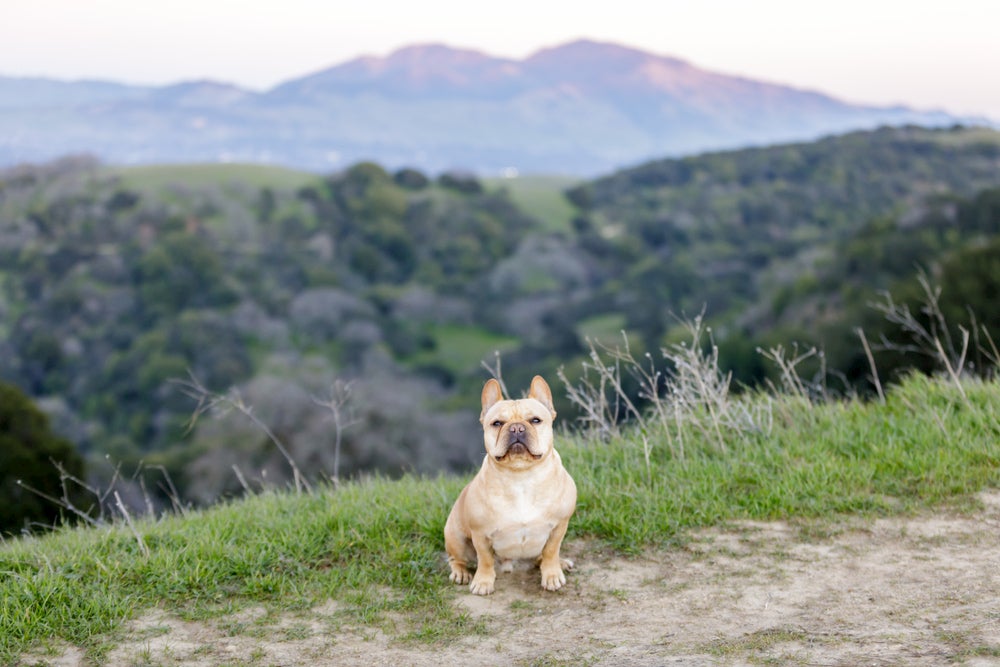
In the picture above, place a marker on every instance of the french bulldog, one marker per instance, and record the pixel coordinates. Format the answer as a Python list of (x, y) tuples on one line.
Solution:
[(519, 504)]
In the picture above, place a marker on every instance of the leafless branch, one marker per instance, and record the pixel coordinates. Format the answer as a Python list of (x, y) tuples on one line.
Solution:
[(338, 403), (208, 400), (496, 372)]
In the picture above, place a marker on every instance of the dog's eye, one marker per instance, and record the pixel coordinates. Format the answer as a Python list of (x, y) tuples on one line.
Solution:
[(536, 420), (497, 424)]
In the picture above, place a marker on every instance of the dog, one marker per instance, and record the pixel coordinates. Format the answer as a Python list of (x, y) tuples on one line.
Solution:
[(519, 504)]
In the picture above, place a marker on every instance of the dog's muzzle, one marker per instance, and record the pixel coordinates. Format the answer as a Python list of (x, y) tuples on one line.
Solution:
[(517, 441)]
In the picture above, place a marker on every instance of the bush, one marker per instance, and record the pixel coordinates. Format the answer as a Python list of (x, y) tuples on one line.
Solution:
[(29, 452), (411, 179), (460, 182)]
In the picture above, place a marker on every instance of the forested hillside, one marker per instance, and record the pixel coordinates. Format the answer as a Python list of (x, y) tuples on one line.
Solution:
[(778, 243), (380, 293), (114, 286)]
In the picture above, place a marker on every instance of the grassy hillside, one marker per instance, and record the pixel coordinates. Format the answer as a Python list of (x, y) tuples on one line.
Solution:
[(376, 546), (152, 178), (542, 197)]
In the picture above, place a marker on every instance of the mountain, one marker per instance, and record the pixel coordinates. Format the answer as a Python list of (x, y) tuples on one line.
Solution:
[(430, 70), (581, 108), (36, 93)]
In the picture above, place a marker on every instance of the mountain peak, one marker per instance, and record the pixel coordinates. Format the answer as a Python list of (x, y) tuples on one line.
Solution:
[(435, 53), (607, 54), (419, 69), (607, 65)]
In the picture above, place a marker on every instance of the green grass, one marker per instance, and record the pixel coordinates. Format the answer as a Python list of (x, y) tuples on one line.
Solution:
[(458, 347), (160, 177), (541, 197), (376, 546), (926, 446), (283, 549), (606, 329)]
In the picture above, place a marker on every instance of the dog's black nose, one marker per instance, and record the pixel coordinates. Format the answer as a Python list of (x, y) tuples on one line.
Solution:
[(517, 429)]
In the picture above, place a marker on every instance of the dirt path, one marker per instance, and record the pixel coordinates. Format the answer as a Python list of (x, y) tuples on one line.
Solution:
[(918, 591)]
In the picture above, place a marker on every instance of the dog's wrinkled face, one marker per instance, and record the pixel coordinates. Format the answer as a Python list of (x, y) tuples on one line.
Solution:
[(517, 433)]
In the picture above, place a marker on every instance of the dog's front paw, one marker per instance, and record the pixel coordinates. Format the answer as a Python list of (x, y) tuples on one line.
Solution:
[(482, 585), (553, 578), (459, 574), (567, 564)]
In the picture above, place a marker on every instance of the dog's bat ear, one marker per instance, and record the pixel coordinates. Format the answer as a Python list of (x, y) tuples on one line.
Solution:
[(492, 394), (540, 392)]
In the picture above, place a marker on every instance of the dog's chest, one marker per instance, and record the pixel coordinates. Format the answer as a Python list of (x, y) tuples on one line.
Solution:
[(522, 527)]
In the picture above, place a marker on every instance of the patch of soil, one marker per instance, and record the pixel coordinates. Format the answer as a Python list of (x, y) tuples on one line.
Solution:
[(911, 591)]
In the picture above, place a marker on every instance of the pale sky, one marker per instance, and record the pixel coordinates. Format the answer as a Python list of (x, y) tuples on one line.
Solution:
[(928, 55)]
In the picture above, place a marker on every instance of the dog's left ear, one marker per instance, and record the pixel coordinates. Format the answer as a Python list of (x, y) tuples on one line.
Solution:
[(540, 392)]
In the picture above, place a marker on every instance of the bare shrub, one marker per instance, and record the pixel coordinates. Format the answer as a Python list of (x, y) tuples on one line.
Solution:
[(790, 377), (599, 393), (210, 401), (106, 507), (684, 396), (929, 334), (930, 338)]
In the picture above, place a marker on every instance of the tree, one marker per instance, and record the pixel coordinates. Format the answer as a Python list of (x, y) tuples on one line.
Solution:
[(29, 453), (970, 283), (411, 179), (461, 182)]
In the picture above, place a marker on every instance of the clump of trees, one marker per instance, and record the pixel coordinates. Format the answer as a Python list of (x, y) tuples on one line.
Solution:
[(34, 463)]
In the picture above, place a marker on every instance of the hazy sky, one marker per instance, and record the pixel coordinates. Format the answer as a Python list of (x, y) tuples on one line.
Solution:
[(924, 54)]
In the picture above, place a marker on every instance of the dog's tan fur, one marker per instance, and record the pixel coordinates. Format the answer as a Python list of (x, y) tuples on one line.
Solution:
[(519, 503)]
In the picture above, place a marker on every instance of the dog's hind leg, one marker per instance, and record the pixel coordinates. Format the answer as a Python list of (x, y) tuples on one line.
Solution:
[(460, 554)]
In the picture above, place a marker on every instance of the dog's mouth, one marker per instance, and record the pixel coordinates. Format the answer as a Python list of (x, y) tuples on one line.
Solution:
[(518, 448)]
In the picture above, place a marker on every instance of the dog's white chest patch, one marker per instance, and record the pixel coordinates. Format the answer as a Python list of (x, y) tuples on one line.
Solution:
[(522, 533), (521, 540)]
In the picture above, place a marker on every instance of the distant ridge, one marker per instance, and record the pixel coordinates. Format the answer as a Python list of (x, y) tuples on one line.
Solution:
[(584, 108)]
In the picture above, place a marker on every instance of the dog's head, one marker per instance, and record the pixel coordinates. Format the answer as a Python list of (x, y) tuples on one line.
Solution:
[(518, 433)]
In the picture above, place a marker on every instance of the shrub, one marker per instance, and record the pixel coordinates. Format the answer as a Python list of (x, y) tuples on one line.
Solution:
[(29, 454)]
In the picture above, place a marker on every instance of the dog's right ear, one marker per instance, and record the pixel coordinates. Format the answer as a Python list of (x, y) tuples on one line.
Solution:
[(492, 395)]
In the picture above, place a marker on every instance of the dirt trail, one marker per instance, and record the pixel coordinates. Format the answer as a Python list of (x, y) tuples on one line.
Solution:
[(916, 591)]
